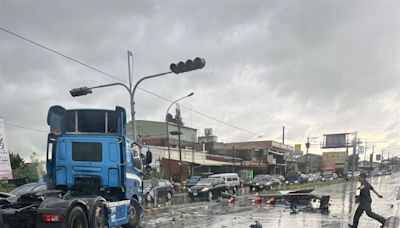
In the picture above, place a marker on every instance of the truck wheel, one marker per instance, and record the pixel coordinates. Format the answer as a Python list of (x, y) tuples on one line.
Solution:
[(98, 216), (134, 214), (77, 218)]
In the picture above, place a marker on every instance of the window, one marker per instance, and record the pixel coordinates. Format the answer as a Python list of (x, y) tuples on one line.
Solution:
[(87, 151), (137, 159)]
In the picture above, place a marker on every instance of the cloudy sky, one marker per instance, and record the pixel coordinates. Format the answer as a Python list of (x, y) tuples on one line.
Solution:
[(315, 67)]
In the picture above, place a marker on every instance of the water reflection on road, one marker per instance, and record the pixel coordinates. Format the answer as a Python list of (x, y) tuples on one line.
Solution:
[(243, 212)]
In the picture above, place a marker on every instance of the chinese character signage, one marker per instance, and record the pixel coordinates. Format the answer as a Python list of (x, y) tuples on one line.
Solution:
[(5, 166)]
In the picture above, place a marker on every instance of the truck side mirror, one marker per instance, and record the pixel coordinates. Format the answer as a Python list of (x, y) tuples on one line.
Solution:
[(149, 157)]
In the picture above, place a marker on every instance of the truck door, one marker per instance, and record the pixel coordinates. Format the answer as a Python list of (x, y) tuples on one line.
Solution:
[(133, 173)]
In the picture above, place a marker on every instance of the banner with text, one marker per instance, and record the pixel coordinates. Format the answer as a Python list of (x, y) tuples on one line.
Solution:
[(5, 165)]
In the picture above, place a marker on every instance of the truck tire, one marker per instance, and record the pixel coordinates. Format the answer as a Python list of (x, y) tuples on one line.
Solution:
[(134, 214), (98, 218), (77, 218)]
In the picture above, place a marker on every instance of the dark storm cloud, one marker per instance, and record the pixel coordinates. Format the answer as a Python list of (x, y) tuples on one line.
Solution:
[(312, 66)]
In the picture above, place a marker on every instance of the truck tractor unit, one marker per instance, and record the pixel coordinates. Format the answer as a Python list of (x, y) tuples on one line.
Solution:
[(94, 175)]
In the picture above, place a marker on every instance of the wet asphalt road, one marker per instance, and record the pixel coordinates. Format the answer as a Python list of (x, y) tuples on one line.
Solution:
[(243, 212)]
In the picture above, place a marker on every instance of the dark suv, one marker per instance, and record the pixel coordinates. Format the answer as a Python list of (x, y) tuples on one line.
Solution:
[(263, 182), (209, 188), (192, 181)]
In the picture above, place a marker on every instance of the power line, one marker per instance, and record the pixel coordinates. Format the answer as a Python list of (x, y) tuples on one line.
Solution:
[(201, 114), (116, 78), (61, 54), (23, 127)]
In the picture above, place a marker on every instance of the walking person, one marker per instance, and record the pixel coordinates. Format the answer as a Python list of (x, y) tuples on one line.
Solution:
[(365, 202)]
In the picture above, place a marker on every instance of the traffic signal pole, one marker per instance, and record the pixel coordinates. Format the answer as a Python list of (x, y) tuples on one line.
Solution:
[(181, 67)]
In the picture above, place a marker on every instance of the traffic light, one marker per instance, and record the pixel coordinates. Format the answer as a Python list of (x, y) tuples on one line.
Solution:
[(80, 91), (189, 65)]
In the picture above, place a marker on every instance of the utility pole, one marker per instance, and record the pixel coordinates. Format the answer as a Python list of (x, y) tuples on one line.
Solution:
[(283, 135), (308, 144), (381, 160), (355, 142), (365, 153), (307, 162), (178, 117), (233, 160), (167, 127), (371, 159)]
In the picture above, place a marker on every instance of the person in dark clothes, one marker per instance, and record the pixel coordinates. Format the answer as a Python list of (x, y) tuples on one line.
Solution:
[(365, 202)]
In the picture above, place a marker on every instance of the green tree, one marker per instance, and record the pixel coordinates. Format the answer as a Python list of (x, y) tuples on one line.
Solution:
[(25, 171), (22, 170), (16, 161)]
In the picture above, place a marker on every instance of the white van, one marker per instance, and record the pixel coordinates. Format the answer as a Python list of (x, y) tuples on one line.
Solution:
[(231, 179)]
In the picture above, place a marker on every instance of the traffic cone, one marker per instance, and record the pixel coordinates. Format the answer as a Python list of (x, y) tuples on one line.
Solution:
[(271, 200), (258, 198)]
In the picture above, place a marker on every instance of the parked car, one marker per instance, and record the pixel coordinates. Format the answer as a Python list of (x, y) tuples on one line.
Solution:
[(209, 188), (160, 188), (279, 177), (261, 182), (295, 177), (29, 188), (231, 179), (356, 174), (192, 181), (376, 173), (329, 176), (312, 177)]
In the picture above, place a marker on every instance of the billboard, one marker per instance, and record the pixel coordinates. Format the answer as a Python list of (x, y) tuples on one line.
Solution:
[(5, 166), (335, 141)]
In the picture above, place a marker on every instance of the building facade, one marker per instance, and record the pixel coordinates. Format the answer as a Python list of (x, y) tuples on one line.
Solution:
[(334, 161)]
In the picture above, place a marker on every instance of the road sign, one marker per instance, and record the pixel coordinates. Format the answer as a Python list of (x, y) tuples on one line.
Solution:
[(360, 150), (5, 165)]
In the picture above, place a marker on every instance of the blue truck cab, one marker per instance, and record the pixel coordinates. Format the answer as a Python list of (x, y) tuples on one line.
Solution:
[(94, 175)]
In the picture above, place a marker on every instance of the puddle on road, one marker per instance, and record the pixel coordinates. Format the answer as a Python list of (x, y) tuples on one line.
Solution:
[(243, 213)]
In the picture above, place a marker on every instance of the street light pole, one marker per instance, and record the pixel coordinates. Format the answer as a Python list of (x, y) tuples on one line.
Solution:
[(167, 127)]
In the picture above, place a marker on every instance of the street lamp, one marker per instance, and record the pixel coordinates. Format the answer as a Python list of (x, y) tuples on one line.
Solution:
[(167, 127), (183, 67)]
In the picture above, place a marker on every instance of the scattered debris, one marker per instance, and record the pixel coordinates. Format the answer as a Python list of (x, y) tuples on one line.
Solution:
[(256, 225)]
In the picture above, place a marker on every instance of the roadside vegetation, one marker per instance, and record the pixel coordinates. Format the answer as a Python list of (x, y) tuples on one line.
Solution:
[(22, 173)]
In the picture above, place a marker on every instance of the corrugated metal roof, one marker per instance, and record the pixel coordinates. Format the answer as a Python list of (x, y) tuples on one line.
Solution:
[(189, 156)]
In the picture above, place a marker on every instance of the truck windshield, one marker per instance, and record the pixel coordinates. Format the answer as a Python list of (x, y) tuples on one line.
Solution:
[(87, 151)]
